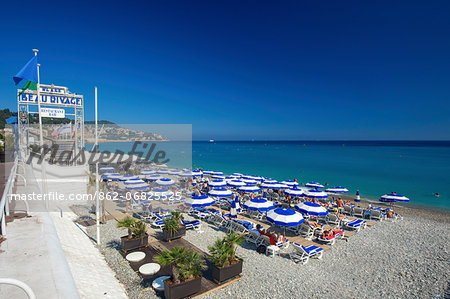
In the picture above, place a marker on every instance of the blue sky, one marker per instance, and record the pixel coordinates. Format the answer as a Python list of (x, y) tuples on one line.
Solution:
[(244, 69)]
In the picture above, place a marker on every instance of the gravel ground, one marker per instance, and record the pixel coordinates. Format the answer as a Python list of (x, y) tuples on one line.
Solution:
[(402, 259)]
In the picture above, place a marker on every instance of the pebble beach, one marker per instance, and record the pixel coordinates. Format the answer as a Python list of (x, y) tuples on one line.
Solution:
[(407, 258)]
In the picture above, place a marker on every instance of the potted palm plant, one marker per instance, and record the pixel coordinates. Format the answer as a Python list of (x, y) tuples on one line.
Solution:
[(225, 263), (187, 269), (137, 236), (172, 227)]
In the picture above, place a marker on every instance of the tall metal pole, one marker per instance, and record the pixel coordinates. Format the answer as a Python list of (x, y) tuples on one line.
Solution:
[(97, 201), (41, 135)]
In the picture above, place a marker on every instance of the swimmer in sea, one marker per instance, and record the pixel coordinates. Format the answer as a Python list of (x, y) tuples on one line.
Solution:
[(436, 194)]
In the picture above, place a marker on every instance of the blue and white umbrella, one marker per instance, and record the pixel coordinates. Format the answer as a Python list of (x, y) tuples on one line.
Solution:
[(249, 181), (235, 207), (113, 176), (208, 172), (129, 178), (136, 185), (253, 177), (249, 189), (393, 198), (294, 192), (274, 186), (218, 177), (217, 183), (165, 182), (315, 194), (186, 174), (148, 172), (217, 173), (220, 192), (259, 204), (314, 185), (236, 183), (237, 174), (106, 168), (311, 208), (197, 173), (200, 201), (291, 184), (162, 171), (153, 177), (337, 189), (175, 172), (269, 181), (285, 217)]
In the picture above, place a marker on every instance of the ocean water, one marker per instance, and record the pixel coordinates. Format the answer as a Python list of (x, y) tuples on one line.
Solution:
[(417, 170)]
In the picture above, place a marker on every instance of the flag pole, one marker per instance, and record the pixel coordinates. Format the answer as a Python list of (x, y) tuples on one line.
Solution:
[(41, 136), (97, 201)]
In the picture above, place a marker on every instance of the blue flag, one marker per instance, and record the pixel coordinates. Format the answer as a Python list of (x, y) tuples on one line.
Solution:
[(28, 72)]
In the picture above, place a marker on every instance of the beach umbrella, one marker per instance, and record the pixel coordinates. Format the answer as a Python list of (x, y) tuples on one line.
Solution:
[(208, 172), (291, 184), (129, 178), (175, 172), (311, 208), (148, 172), (314, 185), (294, 192), (393, 198), (114, 176), (162, 171), (249, 189), (285, 217), (153, 177), (186, 174), (217, 183), (160, 193), (337, 189), (259, 204), (218, 177), (136, 185), (274, 186), (161, 165), (165, 182), (269, 181), (235, 207), (217, 173), (197, 173), (106, 168), (249, 181), (220, 192), (199, 201), (237, 174), (235, 183), (315, 194)]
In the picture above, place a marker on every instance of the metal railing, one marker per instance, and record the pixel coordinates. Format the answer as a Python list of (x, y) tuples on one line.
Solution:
[(4, 203), (19, 284)]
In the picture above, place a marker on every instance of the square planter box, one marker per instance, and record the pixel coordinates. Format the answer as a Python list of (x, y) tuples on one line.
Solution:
[(220, 274), (181, 290), (136, 243), (168, 237)]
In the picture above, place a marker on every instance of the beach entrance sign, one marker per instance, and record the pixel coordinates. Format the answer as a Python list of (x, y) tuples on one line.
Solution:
[(55, 102)]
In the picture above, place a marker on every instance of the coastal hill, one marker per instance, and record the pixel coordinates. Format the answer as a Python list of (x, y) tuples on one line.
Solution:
[(108, 131)]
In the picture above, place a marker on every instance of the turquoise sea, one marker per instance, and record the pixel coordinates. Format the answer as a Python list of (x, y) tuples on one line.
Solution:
[(416, 169)]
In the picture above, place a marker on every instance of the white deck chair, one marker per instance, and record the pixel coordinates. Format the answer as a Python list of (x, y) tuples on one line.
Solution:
[(304, 253), (358, 212)]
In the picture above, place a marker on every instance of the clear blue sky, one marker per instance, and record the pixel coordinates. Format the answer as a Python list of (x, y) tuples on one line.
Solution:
[(244, 69)]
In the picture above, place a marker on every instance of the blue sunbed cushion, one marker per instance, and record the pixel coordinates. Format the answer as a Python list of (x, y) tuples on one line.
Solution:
[(311, 249), (356, 223)]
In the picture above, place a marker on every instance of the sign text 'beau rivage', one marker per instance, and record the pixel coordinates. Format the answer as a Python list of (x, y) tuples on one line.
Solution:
[(52, 95)]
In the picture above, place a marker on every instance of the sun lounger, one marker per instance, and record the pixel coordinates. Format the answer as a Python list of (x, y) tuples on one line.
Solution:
[(253, 237), (348, 210), (356, 224), (339, 234), (377, 215), (358, 212), (333, 220), (195, 224), (304, 253), (306, 231)]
